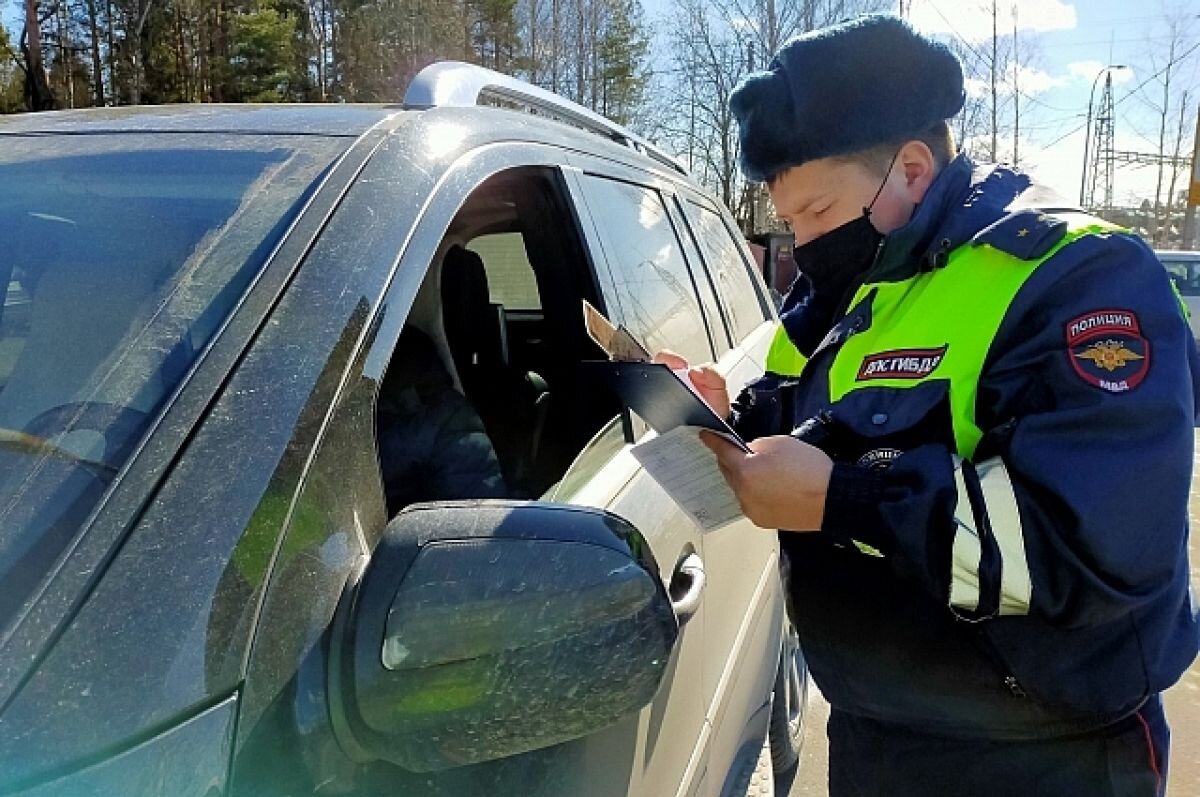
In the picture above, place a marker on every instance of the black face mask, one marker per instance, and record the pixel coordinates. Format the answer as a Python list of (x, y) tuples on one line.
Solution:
[(833, 260)]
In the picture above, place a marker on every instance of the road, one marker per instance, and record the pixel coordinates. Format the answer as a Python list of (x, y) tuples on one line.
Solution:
[(1183, 709)]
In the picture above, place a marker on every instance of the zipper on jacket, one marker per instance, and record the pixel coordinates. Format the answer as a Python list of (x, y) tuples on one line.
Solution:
[(1013, 686), (988, 649)]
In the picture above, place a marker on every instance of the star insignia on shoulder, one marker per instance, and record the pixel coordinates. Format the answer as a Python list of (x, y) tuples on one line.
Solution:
[(1021, 233)]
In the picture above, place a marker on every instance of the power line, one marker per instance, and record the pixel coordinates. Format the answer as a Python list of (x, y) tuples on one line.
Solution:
[(982, 56), (1135, 89)]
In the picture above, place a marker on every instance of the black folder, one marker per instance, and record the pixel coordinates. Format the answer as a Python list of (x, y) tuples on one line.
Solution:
[(655, 393)]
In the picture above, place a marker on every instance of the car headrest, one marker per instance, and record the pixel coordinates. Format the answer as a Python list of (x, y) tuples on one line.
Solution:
[(465, 308)]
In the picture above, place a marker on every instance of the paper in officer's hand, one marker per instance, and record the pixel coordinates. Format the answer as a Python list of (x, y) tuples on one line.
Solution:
[(687, 471)]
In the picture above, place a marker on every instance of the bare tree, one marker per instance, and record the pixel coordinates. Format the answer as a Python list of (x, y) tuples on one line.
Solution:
[(1173, 81), (714, 44), (95, 43), (996, 72), (709, 61), (1180, 136)]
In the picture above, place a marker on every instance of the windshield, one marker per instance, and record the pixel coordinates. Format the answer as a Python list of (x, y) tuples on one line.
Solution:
[(122, 255)]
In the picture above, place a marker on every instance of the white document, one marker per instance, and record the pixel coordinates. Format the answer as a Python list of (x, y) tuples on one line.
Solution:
[(687, 470)]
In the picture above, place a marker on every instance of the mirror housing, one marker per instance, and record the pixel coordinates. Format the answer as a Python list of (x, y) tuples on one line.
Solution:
[(480, 630)]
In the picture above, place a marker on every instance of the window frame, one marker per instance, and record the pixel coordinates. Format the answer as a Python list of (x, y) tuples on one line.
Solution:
[(429, 233), (739, 245)]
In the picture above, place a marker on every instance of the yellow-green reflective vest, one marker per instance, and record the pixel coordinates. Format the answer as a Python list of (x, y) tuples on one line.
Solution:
[(947, 319), (783, 358)]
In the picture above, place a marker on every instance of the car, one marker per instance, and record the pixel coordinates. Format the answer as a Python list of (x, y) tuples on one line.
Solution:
[(1184, 270), (205, 590)]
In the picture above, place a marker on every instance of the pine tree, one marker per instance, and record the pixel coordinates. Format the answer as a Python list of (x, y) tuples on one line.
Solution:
[(622, 50), (261, 55), (12, 79)]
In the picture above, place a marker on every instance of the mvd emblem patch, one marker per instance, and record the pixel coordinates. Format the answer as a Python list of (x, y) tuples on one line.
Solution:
[(901, 364), (1108, 351)]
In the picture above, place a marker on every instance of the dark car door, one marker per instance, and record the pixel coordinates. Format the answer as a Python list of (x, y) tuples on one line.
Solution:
[(337, 516), (163, 254)]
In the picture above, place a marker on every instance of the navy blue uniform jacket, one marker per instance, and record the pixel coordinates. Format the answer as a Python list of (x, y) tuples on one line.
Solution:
[(1101, 480)]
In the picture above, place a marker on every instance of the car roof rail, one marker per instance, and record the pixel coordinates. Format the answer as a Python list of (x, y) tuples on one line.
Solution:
[(462, 85)]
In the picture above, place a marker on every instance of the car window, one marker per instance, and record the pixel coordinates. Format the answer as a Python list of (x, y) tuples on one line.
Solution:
[(123, 255), (718, 317), (511, 280), (596, 455), (739, 291), (655, 290), (1185, 274)]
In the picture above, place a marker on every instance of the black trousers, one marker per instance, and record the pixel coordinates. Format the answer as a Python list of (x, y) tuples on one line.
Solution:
[(868, 758)]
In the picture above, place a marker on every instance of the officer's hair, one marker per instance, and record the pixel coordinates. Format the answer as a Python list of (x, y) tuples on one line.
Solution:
[(878, 159)]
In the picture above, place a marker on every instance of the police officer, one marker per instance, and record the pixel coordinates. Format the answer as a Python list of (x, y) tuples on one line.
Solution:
[(983, 464)]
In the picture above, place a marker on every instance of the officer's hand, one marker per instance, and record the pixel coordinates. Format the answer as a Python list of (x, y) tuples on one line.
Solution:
[(708, 381), (781, 484)]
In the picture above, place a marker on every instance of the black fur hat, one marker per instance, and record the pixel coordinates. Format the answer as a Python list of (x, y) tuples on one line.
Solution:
[(844, 89)]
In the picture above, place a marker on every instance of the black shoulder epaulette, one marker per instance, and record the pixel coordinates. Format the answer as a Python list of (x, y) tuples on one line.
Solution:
[(1025, 234)]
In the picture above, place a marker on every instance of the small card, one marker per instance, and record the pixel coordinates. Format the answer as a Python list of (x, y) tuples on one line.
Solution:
[(616, 341)]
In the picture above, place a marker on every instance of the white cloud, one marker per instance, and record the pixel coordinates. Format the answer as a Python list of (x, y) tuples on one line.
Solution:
[(977, 88), (1088, 70), (972, 19), (1030, 80), (1035, 81)]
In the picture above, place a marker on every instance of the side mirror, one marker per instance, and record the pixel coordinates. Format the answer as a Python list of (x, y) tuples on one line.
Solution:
[(485, 629)]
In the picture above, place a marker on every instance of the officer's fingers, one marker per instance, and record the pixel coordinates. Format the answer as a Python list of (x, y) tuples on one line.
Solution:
[(728, 455), (670, 359), (730, 475), (715, 443), (707, 377), (765, 446)]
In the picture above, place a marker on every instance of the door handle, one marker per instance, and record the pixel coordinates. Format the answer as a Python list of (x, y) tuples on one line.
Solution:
[(687, 585)]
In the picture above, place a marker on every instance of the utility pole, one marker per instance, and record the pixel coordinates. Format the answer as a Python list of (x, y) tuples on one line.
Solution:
[(691, 79), (995, 155), (1016, 159), (1103, 154), (1084, 195)]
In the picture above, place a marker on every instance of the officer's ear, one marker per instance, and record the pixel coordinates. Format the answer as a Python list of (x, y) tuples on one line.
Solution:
[(916, 162)]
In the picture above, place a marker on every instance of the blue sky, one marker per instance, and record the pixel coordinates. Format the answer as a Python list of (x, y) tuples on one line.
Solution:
[(1071, 42)]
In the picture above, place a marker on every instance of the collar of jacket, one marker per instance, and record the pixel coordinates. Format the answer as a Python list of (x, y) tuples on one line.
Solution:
[(961, 202)]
